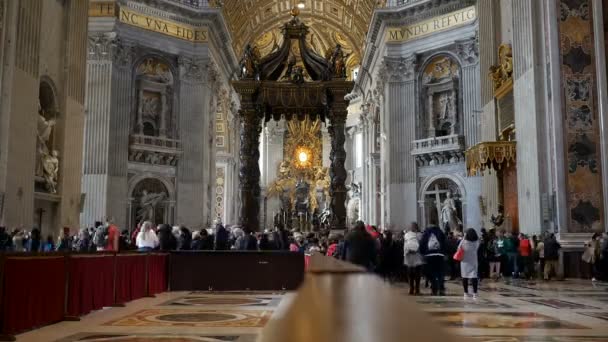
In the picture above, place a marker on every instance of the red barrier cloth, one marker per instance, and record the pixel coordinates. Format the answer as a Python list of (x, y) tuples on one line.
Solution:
[(130, 277), (91, 283), (33, 292), (157, 273)]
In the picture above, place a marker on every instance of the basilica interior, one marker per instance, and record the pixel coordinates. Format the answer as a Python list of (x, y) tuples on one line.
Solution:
[(311, 116)]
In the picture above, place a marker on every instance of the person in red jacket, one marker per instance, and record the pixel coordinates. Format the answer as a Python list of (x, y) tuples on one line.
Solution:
[(525, 255)]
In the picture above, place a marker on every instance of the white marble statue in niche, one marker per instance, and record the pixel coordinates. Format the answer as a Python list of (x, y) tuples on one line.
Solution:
[(47, 159), (155, 98), (440, 82)]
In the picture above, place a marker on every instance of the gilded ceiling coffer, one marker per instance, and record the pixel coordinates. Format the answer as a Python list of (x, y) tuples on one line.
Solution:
[(292, 82)]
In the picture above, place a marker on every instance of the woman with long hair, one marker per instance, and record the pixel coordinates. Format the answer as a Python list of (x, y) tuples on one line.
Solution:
[(469, 263), (146, 238)]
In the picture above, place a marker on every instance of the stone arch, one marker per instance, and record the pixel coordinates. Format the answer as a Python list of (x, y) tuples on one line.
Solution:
[(164, 209), (431, 189), (47, 95)]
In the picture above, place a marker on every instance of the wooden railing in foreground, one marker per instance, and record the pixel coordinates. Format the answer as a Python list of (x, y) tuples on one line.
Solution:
[(338, 302)]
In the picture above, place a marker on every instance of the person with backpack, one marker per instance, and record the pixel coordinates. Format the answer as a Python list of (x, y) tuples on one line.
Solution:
[(493, 254), (412, 258), (100, 238), (511, 248), (433, 248), (552, 248)]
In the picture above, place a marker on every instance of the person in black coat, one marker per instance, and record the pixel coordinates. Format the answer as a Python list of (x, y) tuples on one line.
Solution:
[(359, 247), (433, 248), (281, 238), (166, 239), (222, 237), (184, 241)]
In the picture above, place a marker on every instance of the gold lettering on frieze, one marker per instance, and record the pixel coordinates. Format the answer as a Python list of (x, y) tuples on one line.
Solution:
[(170, 28), (437, 24), (102, 9)]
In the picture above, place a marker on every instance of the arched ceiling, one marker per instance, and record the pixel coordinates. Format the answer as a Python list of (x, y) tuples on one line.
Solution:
[(331, 22)]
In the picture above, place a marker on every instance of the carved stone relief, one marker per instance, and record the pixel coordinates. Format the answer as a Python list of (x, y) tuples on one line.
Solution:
[(155, 99)]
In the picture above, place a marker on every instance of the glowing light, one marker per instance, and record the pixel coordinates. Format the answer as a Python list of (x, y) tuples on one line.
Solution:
[(303, 157), (301, 5)]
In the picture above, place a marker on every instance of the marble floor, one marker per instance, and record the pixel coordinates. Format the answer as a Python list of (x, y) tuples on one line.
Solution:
[(516, 311)]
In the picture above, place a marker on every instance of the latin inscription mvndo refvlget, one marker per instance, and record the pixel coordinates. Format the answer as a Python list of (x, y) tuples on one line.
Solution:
[(185, 32), (424, 28)]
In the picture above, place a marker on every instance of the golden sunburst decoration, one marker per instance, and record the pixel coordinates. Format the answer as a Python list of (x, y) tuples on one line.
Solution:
[(303, 148)]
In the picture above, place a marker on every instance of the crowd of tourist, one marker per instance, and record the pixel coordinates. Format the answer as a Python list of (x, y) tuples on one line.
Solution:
[(408, 255)]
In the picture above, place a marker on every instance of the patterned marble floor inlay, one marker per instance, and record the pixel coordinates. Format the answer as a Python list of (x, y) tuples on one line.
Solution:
[(459, 303), (501, 320), (506, 311), (538, 338), (197, 300), (559, 304), (194, 318), (600, 315), (137, 337)]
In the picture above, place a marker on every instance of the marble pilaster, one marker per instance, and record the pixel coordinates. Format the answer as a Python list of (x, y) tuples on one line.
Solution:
[(401, 114), (194, 108), (528, 94), (106, 140)]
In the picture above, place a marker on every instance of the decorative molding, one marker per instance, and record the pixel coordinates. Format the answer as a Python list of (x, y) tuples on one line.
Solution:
[(211, 17), (153, 157), (403, 16), (106, 47), (401, 69)]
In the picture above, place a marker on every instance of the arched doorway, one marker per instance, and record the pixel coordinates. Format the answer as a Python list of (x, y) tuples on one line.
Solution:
[(441, 203), (152, 201)]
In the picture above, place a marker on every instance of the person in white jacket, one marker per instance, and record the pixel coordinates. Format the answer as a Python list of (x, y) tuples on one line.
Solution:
[(146, 239), (412, 258), (469, 262)]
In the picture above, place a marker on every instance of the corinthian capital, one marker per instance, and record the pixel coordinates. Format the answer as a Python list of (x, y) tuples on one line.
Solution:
[(109, 47), (401, 69), (468, 51), (192, 69)]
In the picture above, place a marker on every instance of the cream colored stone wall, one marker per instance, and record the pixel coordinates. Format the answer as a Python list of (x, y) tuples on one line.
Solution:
[(41, 40)]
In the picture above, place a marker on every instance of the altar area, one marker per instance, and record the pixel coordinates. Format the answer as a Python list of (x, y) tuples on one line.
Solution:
[(295, 159)]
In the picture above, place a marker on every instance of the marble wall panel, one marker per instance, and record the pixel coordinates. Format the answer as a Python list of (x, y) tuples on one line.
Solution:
[(581, 128)]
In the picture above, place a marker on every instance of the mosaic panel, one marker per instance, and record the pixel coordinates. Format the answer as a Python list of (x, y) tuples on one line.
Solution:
[(582, 128), (558, 304), (195, 318), (501, 320), (137, 337)]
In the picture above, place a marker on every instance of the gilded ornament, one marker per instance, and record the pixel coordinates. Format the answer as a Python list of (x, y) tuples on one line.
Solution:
[(502, 74)]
